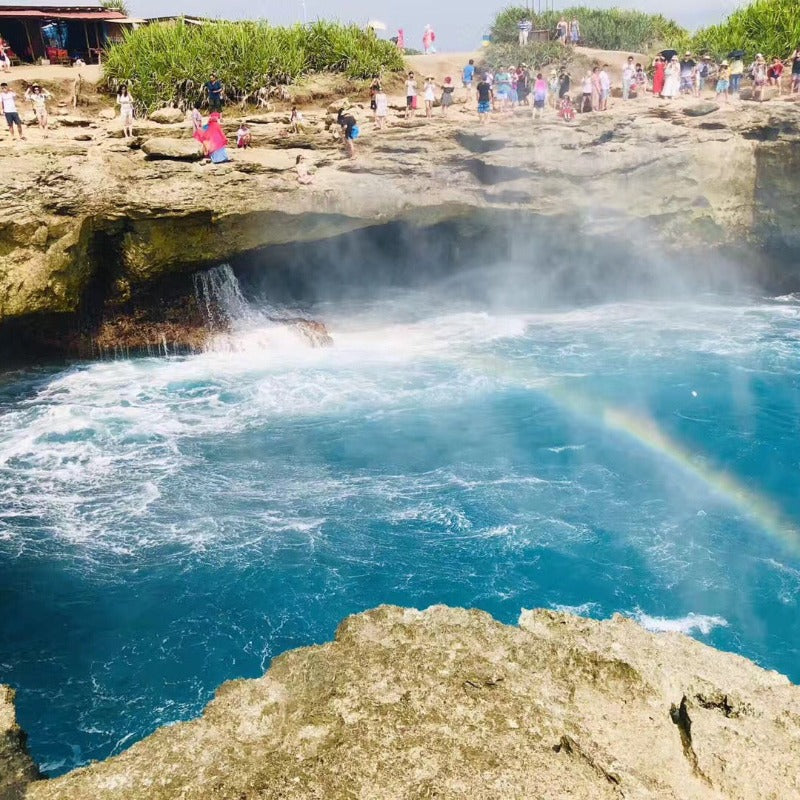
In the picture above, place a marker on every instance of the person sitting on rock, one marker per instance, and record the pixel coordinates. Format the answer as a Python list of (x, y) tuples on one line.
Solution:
[(213, 140), (304, 175), (243, 137)]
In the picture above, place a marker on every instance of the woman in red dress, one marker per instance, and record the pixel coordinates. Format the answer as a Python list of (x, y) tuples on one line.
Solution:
[(658, 77)]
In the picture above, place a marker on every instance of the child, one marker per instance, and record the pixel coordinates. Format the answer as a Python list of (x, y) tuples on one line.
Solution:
[(640, 81), (243, 137), (411, 95), (723, 82), (197, 118), (430, 96), (296, 121), (485, 99), (447, 95), (552, 87), (381, 108), (304, 175), (566, 110), (539, 95)]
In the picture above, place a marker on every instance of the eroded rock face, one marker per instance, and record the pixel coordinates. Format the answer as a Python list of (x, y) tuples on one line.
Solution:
[(106, 215), (17, 769), (450, 703)]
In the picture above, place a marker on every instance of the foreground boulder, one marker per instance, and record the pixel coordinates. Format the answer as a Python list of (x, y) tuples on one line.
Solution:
[(166, 116), (175, 149), (449, 703)]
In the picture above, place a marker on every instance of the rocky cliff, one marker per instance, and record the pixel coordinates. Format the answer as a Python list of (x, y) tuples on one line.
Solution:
[(450, 703), (17, 769), (87, 226)]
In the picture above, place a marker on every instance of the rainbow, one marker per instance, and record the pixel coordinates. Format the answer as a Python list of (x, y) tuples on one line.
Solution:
[(646, 433)]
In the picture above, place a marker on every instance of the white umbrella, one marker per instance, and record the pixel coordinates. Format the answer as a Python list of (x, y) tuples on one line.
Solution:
[(376, 25)]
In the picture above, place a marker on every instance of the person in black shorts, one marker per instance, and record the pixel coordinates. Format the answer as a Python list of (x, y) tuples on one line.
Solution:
[(9, 103), (349, 130)]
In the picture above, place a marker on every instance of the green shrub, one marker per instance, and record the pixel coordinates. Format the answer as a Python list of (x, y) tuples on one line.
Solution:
[(771, 27), (169, 63), (606, 29), (535, 54)]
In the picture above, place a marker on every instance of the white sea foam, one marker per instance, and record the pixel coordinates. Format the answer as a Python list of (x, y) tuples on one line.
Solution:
[(691, 623), (587, 609)]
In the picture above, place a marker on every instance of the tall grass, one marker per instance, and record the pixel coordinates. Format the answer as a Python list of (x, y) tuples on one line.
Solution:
[(536, 55), (770, 27), (607, 29), (169, 63)]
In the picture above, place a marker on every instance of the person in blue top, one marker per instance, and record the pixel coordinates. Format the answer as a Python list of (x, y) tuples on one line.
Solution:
[(467, 78), (214, 87), (469, 74)]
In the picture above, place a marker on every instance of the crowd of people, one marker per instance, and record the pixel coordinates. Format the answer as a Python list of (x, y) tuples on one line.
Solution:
[(498, 91)]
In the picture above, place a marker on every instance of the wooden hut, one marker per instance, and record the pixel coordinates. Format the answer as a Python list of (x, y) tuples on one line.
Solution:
[(59, 32)]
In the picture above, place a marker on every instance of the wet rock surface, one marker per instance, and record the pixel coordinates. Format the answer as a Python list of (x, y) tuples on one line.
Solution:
[(450, 703)]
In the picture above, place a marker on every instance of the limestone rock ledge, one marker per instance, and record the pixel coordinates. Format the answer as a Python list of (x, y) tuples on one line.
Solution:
[(450, 703), (16, 766)]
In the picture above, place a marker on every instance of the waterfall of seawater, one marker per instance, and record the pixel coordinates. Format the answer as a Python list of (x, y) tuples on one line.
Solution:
[(238, 324)]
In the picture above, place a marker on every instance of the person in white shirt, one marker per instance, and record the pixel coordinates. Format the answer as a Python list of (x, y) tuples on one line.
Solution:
[(411, 95), (9, 103), (38, 98), (605, 83), (628, 77), (125, 103), (381, 108)]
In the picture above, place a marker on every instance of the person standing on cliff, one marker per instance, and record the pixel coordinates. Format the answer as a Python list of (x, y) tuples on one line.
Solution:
[(795, 87), (125, 103), (215, 90), (38, 98), (628, 77), (485, 98), (9, 103), (411, 95), (428, 40), (349, 131)]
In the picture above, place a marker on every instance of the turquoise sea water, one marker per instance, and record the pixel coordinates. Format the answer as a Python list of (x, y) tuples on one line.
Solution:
[(170, 523)]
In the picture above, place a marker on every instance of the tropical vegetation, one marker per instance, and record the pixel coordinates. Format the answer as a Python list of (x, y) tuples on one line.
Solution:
[(770, 27), (169, 63), (606, 29)]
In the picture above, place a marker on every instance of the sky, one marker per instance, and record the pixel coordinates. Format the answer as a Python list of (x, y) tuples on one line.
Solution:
[(459, 24)]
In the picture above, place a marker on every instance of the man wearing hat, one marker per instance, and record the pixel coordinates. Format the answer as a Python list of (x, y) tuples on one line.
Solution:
[(705, 71), (687, 66)]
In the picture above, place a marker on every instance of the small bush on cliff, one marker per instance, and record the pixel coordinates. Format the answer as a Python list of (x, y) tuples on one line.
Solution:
[(166, 63), (607, 29), (771, 27)]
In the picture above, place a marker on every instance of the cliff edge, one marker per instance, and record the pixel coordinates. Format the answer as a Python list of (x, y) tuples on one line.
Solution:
[(450, 703), (16, 766)]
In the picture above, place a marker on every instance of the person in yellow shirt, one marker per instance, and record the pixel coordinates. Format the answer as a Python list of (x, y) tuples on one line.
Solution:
[(736, 71)]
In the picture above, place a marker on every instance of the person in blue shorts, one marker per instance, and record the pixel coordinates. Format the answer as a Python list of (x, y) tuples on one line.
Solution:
[(469, 74), (485, 96)]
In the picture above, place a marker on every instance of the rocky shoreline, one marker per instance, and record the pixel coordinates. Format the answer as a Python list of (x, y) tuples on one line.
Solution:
[(90, 230), (451, 703)]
